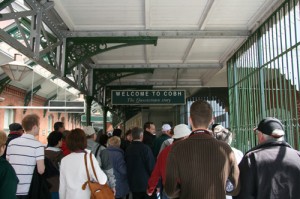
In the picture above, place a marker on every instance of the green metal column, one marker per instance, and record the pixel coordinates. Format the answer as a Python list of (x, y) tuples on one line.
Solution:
[(88, 101), (105, 110)]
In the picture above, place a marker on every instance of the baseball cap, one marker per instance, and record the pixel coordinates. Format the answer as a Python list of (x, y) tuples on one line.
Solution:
[(15, 127), (166, 127), (181, 130), (269, 124), (88, 130)]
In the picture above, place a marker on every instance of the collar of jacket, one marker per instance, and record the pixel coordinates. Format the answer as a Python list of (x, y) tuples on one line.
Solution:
[(200, 132), (269, 144)]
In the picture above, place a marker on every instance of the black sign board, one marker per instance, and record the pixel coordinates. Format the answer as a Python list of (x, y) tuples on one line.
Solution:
[(148, 97)]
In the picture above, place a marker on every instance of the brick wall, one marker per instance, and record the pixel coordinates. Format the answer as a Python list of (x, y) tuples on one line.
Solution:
[(15, 97)]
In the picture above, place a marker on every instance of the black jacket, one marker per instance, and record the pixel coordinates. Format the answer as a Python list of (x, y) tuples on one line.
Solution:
[(140, 163), (39, 187), (270, 170), (149, 139)]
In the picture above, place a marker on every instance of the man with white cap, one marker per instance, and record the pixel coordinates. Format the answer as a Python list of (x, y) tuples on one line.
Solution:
[(101, 155), (272, 168), (181, 131), (166, 134)]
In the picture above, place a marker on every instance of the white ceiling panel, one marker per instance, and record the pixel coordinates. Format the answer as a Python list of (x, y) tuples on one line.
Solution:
[(168, 50), (209, 50), (101, 14), (235, 14), (176, 14)]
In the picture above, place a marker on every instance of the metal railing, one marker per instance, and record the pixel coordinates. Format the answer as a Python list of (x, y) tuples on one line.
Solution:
[(264, 77)]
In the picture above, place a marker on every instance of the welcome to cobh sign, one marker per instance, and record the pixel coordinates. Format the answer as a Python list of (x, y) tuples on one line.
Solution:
[(147, 97)]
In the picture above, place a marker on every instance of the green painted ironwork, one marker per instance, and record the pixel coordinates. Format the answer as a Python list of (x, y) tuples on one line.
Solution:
[(3, 83), (264, 77), (28, 96), (79, 49), (106, 76), (5, 3)]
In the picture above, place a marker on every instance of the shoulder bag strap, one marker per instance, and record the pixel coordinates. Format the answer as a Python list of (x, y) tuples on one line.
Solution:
[(86, 167), (91, 159), (87, 174)]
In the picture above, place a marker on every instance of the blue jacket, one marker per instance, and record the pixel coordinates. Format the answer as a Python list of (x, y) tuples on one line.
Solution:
[(116, 156)]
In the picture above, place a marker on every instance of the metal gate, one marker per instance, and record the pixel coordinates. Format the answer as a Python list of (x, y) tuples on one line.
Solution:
[(263, 77)]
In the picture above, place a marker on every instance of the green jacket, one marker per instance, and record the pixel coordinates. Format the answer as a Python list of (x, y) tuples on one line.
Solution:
[(9, 180), (158, 142)]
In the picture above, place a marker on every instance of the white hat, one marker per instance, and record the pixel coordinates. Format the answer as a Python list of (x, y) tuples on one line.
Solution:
[(166, 127), (88, 130), (181, 130)]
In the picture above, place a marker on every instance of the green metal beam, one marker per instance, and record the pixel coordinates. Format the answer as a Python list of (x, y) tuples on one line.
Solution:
[(103, 77), (3, 83), (5, 3), (79, 49), (29, 94)]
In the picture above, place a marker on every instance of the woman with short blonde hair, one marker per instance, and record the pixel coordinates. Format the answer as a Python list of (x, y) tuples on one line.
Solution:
[(116, 156), (114, 141), (9, 180)]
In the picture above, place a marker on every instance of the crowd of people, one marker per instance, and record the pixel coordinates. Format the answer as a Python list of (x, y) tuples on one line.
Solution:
[(183, 162)]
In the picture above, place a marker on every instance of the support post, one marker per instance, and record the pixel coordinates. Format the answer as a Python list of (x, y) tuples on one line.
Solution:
[(105, 110), (88, 101)]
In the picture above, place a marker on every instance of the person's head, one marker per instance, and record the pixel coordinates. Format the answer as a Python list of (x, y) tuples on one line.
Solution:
[(31, 124), (59, 126), (16, 128), (137, 134), (166, 129), (55, 139), (128, 135), (181, 131), (213, 126), (114, 141), (117, 132), (200, 114), (270, 128), (3, 139), (150, 127), (223, 134), (103, 139), (65, 134), (76, 140), (89, 132)]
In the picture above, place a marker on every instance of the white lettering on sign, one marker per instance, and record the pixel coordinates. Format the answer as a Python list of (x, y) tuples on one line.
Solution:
[(148, 93), (148, 97)]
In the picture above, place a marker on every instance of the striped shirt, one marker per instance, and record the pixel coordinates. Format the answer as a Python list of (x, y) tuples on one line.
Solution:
[(22, 154)]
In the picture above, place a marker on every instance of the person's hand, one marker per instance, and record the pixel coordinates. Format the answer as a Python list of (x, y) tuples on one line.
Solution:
[(149, 193), (114, 190)]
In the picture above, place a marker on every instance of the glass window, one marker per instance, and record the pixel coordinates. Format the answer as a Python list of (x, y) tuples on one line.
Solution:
[(8, 118), (50, 122)]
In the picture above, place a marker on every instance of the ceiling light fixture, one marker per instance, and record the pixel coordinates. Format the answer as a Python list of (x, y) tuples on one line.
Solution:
[(16, 70)]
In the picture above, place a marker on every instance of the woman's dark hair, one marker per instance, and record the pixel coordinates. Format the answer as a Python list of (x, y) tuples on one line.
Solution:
[(53, 138), (76, 140)]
